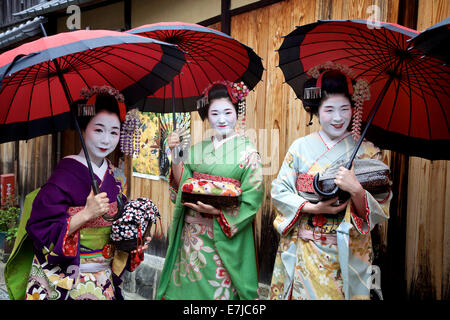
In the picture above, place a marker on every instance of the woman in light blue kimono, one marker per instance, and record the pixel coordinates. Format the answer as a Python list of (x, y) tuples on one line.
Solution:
[(310, 263)]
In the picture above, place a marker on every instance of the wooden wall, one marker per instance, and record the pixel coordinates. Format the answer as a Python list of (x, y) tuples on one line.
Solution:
[(428, 220), (31, 161)]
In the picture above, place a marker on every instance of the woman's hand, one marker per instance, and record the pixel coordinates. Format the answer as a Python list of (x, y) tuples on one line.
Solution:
[(144, 247), (202, 207), (173, 140), (346, 180), (96, 205), (324, 207)]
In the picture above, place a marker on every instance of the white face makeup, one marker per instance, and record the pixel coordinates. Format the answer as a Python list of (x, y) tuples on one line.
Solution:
[(222, 116), (335, 115), (102, 136)]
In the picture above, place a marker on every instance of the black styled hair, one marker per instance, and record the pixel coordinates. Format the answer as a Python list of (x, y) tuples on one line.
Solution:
[(217, 91), (103, 102), (333, 82)]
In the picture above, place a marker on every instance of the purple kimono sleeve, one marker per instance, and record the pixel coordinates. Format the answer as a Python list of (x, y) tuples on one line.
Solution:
[(49, 224)]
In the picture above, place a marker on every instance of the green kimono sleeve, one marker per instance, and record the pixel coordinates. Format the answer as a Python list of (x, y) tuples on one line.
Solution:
[(231, 221)]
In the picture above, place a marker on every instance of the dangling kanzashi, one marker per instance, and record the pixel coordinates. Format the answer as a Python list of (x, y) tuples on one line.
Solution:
[(131, 134)]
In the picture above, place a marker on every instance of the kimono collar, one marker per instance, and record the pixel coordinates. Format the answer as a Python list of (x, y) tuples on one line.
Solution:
[(328, 142), (217, 144), (99, 171)]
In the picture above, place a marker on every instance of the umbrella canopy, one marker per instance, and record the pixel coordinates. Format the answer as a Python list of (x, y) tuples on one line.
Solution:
[(409, 105), (33, 100), (211, 56), (432, 41)]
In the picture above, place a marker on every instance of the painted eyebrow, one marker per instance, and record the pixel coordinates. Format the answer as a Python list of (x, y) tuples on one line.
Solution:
[(101, 125), (344, 105), (215, 110)]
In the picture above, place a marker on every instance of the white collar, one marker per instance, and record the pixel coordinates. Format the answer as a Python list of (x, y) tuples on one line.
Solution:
[(218, 143), (98, 171), (329, 143)]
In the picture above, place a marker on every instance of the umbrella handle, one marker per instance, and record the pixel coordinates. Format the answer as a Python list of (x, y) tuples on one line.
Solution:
[(120, 210), (336, 192)]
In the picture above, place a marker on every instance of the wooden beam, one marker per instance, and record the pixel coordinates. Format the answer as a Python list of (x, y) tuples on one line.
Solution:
[(127, 14), (393, 279), (225, 17), (236, 11)]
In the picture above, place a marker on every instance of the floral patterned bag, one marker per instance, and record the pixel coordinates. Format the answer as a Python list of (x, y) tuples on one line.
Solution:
[(219, 192), (128, 232)]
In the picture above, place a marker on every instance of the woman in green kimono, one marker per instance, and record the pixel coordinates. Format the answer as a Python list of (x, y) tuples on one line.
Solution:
[(211, 252), (311, 262)]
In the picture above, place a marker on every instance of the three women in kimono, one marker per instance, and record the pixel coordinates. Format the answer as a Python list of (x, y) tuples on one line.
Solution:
[(211, 252), (72, 255), (311, 261)]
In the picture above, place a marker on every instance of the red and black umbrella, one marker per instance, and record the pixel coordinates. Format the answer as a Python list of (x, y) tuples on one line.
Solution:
[(33, 99), (409, 106), (211, 56), (432, 41), (40, 79)]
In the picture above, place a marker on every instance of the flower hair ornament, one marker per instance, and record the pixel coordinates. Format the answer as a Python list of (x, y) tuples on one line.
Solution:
[(130, 132), (237, 91), (360, 91)]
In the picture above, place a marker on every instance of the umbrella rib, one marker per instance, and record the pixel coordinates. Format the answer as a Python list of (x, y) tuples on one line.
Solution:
[(145, 55), (410, 104), (75, 69), (14, 95), (426, 109), (440, 106), (195, 82), (32, 89), (212, 54), (393, 104), (92, 67), (209, 38), (149, 71), (49, 91), (113, 66), (230, 44)]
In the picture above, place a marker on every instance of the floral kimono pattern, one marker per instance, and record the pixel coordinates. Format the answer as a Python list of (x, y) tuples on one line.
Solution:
[(214, 257), (308, 263), (81, 265)]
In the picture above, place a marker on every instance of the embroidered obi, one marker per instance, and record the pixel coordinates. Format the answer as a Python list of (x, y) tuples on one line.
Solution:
[(95, 238)]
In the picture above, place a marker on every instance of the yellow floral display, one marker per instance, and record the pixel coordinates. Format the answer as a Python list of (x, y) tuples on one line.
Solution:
[(147, 162)]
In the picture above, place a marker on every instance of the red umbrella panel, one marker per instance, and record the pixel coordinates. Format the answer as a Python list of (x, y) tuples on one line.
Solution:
[(211, 56), (32, 99), (409, 92)]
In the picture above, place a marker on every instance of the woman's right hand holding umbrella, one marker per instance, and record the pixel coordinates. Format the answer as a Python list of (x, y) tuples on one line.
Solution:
[(173, 140), (96, 206)]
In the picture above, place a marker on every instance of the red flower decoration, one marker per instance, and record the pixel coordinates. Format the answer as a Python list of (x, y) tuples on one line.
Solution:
[(202, 182), (188, 188)]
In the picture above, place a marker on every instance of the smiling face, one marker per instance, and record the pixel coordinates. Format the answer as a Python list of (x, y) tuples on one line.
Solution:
[(335, 115), (222, 116), (102, 135)]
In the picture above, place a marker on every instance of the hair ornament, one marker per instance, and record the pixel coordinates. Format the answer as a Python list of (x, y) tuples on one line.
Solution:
[(130, 135), (90, 94), (236, 90)]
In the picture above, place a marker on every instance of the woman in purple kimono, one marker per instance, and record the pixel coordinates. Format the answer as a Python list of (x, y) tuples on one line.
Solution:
[(73, 258)]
